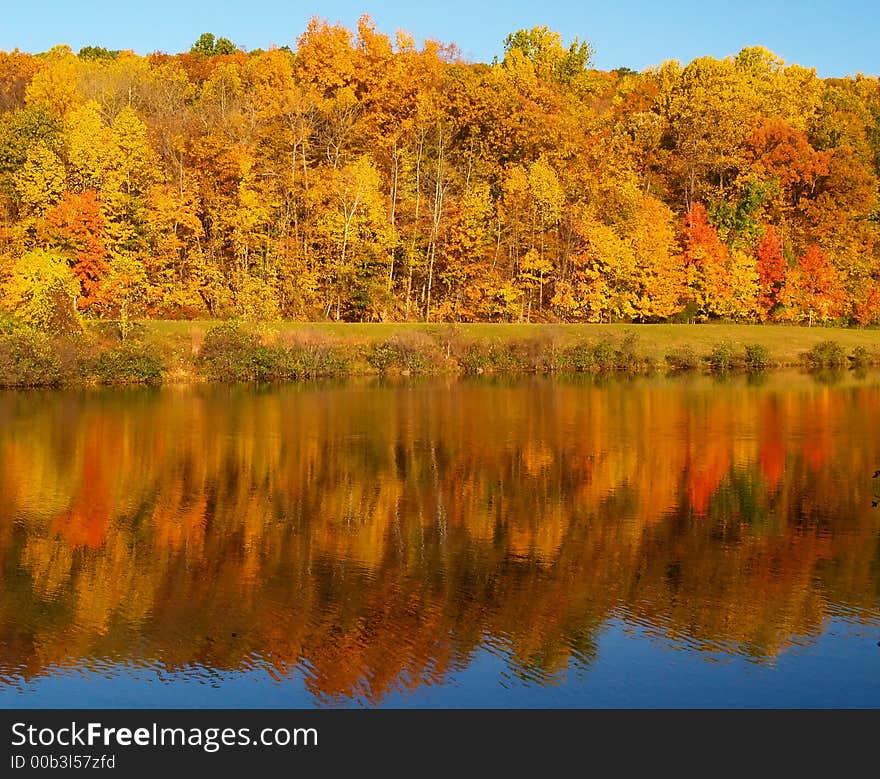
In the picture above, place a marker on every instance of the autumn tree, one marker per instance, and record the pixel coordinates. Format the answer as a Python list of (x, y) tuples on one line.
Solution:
[(362, 176), (812, 289), (74, 227), (707, 262), (772, 270), (42, 290)]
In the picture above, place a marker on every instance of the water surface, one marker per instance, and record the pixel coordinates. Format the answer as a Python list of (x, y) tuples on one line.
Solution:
[(533, 542)]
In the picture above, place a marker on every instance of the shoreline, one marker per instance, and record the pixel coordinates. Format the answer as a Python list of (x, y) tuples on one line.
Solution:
[(199, 352)]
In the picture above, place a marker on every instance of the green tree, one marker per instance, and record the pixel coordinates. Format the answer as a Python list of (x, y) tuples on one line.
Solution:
[(209, 46)]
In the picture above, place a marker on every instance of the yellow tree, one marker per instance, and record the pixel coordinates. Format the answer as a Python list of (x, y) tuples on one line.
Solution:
[(129, 170), (548, 199), (354, 234), (467, 252), (54, 87), (87, 139), (40, 181), (43, 290), (125, 289), (660, 267)]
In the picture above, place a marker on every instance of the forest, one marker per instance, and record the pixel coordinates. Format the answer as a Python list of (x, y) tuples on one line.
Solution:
[(354, 177)]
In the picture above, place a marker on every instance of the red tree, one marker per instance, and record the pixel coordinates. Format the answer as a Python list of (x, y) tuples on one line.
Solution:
[(771, 271), (75, 227), (813, 289)]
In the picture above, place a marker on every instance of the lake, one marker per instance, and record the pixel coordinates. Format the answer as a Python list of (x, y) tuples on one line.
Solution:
[(505, 543)]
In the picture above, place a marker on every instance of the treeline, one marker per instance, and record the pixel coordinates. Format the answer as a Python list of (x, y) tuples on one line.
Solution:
[(355, 177)]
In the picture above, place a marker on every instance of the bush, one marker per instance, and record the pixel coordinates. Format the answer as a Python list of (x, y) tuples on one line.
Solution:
[(413, 352), (605, 356), (130, 363), (77, 355), (270, 363), (721, 359), (545, 353), (313, 354), (627, 357), (757, 357), (28, 360), (472, 357), (382, 356), (862, 357), (684, 358), (827, 354), (579, 357), (508, 357), (227, 352)]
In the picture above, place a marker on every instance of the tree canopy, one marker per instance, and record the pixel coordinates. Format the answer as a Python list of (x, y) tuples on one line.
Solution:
[(355, 176)]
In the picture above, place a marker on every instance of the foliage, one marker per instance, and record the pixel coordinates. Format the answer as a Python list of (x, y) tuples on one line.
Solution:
[(227, 352), (209, 46), (27, 359), (605, 355), (684, 358), (722, 358), (129, 363), (356, 177), (757, 357), (827, 354), (316, 355), (411, 352), (862, 357), (42, 291)]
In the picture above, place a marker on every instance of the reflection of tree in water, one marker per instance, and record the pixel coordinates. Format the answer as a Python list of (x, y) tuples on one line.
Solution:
[(377, 538)]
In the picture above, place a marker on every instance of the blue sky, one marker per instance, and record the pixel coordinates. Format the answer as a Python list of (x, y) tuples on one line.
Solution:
[(837, 38)]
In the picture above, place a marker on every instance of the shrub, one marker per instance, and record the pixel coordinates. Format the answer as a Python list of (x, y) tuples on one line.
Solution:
[(579, 357), (472, 357), (130, 363), (418, 352), (605, 355), (227, 352), (270, 363), (77, 355), (508, 357), (413, 352), (627, 357), (721, 359), (545, 352), (757, 357), (684, 358), (862, 357), (313, 354), (382, 356), (28, 360), (827, 354)]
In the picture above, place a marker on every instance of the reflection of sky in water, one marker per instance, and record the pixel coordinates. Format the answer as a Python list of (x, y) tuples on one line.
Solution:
[(477, 543), (840, 668)]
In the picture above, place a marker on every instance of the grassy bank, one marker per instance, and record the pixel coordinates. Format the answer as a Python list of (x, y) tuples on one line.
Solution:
[(194, 351)]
